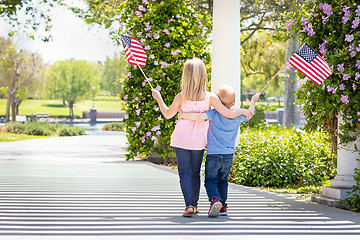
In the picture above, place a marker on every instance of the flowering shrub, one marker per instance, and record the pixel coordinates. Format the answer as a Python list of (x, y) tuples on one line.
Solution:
[(332, 28), (170, 32)]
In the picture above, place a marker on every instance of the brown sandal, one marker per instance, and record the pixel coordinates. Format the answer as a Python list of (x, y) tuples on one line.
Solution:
[(189, 210)]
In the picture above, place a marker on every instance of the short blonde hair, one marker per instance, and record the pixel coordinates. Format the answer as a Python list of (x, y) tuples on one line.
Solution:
[(226, 94), (194, 80)]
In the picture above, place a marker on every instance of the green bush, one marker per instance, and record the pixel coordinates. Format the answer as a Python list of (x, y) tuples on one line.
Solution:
[(44, 129), (70, 131), (274, 156), (114, 126), (259, 117)]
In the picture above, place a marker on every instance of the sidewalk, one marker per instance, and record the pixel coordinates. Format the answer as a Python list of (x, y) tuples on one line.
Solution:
[(82, 188)]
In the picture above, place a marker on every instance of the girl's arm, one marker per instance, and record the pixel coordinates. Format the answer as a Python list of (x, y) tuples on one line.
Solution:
[(226, 112), (173, 109)]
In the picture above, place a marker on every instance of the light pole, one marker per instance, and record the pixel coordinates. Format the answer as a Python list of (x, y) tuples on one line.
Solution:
[(93, 88)]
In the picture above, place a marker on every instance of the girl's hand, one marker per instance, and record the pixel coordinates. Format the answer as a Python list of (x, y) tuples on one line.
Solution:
[(156, 94)]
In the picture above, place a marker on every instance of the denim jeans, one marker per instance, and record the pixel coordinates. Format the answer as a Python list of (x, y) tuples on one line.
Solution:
[(217, 168), (189, 164)]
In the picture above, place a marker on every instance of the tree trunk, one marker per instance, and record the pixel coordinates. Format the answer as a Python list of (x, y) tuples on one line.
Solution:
[(13, 113), (7, 115), (71, 109), (290, 109)]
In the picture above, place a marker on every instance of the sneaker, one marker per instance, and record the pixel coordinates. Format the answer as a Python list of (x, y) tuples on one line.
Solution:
[(223, 211), (215, 207)]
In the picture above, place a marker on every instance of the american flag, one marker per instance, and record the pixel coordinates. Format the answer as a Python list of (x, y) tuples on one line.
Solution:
[(133, 50), (307, 61)]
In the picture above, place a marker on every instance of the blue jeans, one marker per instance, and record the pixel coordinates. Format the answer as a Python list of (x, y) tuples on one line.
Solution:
[(217, 168), (189, 164)]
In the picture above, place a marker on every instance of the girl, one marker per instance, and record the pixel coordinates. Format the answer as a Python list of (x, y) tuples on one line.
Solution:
[(189, 138)]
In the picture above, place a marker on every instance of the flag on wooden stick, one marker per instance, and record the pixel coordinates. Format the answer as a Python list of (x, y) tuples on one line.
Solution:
[(134, 52), (307, 61)]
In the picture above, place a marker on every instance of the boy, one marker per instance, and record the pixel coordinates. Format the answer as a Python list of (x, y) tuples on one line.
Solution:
[(220, 148)]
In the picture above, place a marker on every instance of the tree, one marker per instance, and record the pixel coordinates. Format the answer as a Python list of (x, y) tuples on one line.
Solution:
[(71, 81), (35, 16), (113, 74), (261, 58), (18, 70)]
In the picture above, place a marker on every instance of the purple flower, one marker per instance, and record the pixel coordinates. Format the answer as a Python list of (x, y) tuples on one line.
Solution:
[(357, 76), (170, 20), (137, 124), (133, 129), (310, 30), (342, 87), (346, 77), (142, 40), (136, 98), (141, 8), (358, 11), (148, 134), (358, 64), (156, 36), (358, 48), (158, 88), (349, 37), (351, 47), (166, 31), (289, 23), (148, 35), (354, 86), (139, 14), (352, 54), (347, 13), (151, 56), (355, 22), (145, 1), (340, 67), (327, 8), (167, 45), (175, 52), (126, 116), (303, 21), (158, 133), (138, 112), (345, 99), (125, 97), (344, 20), (322, 48), (147, 48), (156, 63)]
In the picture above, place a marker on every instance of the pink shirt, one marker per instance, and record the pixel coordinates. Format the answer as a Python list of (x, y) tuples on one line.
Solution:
[(190, 134)]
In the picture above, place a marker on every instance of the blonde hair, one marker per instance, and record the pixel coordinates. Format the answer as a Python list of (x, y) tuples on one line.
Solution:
[(194, 80), (226, 94)]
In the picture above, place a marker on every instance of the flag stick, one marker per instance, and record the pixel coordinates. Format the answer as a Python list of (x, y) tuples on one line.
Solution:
[(146, 79), (273, 77)]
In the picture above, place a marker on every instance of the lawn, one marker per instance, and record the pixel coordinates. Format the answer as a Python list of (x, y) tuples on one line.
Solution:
[(9, 137), (56, 107)]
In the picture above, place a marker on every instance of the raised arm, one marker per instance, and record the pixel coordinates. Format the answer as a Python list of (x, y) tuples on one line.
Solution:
[(226, 112), (168, 112), (192, 116), (254, 99)]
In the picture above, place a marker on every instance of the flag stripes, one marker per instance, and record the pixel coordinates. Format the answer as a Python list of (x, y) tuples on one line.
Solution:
[(134, 52), (311, 64)]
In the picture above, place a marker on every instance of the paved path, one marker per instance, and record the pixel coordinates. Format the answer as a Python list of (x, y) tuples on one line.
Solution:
[(82, 188)]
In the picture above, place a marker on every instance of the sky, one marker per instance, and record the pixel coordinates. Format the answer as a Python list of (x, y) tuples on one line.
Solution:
[(72, 38)]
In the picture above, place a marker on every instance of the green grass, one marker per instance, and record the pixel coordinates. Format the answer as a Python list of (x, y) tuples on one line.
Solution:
[(9, 137), (55, 107)]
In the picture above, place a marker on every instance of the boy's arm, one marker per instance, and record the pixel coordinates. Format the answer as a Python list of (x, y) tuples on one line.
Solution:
[(254, 99), (192, 116)]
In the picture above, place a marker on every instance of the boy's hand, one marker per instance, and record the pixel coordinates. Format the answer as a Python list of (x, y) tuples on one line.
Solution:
[(156, 94), (180, 114), (256, 97)]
